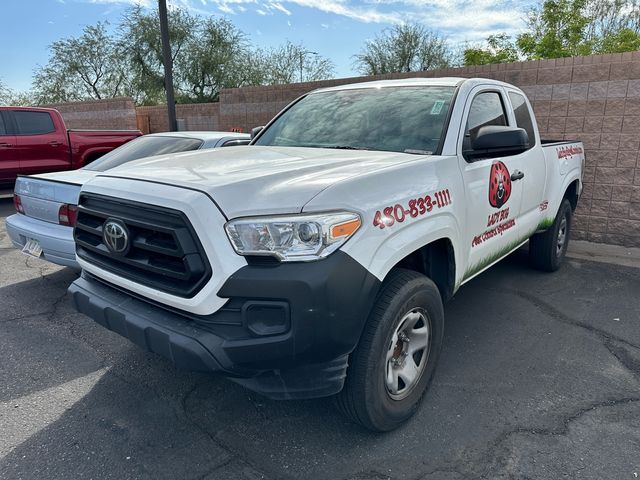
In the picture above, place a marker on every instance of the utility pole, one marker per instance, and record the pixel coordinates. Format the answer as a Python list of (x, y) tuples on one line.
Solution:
[(168, 65)]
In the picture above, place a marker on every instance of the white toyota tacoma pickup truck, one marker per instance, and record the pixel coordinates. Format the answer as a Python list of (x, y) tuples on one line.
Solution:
[(316, 261)]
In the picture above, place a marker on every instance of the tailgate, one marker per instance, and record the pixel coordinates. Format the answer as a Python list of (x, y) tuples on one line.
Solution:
[(41, 198)]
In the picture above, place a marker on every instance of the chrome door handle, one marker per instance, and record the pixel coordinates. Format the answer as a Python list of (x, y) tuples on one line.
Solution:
[(5, 144), (55, 144), (517, 175)]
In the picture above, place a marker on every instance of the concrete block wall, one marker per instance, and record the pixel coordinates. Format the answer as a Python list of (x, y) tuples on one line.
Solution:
[(113, 113), (196, 116)]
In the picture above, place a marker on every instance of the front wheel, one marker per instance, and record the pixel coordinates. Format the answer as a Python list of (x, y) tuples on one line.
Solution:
[(394, 362), (547, 249)]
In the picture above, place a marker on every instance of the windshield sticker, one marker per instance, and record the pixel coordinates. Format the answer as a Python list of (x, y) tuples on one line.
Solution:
[(416, 207), (437, 107)]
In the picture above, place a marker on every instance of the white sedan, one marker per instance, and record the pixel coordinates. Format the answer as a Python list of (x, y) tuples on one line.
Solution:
[(46, 204)]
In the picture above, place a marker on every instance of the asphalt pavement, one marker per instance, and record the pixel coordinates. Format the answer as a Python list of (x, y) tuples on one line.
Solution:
[(539, 379)]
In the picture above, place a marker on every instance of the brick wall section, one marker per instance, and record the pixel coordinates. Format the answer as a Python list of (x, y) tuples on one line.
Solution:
[(595, 99), (113, 113), (196, 116)]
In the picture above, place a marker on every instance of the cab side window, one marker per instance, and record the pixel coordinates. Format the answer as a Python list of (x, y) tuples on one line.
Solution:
[(486, 109), (3, 130), (33, 123), (523, 116)]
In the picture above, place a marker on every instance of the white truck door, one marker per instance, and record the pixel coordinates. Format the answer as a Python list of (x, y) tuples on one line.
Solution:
[(533, 166), (493, 189)]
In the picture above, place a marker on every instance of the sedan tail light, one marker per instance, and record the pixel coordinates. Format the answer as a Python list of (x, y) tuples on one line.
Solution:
[(68, 214), (17, 202)]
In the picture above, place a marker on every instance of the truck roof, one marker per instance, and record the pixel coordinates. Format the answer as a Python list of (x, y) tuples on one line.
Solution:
[(23, 107), (415, 82)]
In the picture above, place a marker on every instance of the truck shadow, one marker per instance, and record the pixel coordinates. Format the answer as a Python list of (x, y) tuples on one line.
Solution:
[(141, 418)]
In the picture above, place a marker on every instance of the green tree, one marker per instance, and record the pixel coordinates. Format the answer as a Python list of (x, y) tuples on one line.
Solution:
[(499, 49), (403, 48), (216, 56), (563, 28), (5, 93), (208, 54), (614, 26), (625, 40), (558, 29), (141, 45), (290, 63), (89, 66)]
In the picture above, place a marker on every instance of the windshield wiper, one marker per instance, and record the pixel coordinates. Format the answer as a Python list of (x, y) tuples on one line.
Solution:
[(346, 147)]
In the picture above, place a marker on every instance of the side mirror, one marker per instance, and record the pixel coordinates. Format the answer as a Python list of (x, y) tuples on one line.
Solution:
[(498, 141), (255, 131)]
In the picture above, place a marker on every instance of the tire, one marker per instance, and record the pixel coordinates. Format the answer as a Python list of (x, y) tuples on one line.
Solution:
[(547, 249), (407, 302)]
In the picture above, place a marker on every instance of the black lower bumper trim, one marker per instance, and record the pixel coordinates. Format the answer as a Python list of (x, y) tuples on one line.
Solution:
[(149, 327), (313, 317)]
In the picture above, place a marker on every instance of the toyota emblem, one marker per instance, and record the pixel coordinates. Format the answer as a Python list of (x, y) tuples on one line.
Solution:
[(115, 236)]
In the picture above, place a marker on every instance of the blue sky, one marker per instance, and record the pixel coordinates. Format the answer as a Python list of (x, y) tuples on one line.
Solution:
[(336, 29)]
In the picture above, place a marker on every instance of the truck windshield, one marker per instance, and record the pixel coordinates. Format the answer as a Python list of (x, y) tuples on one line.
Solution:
[(394, 119), (142, 147)]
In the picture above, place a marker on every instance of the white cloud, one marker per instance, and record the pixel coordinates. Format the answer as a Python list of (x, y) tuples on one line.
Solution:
[(224, 8), (455, 18), (458, 20), (278, 6)]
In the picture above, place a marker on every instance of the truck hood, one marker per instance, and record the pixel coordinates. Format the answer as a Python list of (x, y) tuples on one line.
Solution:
[(256, 180)]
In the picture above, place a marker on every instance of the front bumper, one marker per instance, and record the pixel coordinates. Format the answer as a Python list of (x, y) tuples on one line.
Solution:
[(56, 240), (286, 330)]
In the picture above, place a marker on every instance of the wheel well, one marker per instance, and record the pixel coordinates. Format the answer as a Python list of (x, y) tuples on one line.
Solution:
[(435, 260), (571, 194)]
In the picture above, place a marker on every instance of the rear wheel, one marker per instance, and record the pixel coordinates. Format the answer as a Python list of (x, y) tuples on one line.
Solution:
[(395, 360), (547, 249)]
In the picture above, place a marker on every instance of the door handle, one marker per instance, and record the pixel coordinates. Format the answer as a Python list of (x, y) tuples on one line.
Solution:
[(55, 144), (5, 144), (517, 175)]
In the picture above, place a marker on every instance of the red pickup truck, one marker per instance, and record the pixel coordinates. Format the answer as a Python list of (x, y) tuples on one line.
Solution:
[(36, 140)]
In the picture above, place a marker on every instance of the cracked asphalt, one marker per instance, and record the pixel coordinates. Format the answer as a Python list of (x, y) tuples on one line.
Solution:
[(539, 379)]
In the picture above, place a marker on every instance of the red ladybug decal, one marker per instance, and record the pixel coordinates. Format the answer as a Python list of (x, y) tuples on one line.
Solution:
[(499, 185)]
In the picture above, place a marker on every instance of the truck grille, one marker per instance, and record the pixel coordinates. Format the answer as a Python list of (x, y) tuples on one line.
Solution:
[(163, 249)]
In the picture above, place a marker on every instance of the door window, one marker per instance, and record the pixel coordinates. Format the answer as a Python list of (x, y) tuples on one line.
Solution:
[(3, 131), (33, 123), (486, 109), (523, 116)]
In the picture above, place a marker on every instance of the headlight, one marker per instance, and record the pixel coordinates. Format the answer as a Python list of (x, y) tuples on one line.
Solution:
[(293, 238)]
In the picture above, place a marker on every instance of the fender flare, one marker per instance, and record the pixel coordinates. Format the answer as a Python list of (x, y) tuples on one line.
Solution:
[(407, 240)]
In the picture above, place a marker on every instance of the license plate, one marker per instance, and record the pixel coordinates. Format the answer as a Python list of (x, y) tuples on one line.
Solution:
[(32, 248)]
